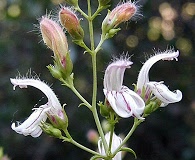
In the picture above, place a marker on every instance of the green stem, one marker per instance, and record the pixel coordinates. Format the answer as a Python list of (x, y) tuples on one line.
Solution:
[(71, 140), (112, 126), (94, 64), (84, 148), (135, 124), (94, 109), (90, 21), (83, 13), (99, 9), (103, 38), (80, 97), (71, 86)]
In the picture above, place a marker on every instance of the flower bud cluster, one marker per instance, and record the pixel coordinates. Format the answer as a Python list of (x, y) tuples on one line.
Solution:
[(54, 37)]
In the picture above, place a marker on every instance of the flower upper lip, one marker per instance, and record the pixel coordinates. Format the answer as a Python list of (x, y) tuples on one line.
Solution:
[(113, 78), (23, 83), (31, 126)]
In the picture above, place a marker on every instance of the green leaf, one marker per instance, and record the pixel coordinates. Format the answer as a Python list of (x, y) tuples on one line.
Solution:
[(126, 149), (82, 104)]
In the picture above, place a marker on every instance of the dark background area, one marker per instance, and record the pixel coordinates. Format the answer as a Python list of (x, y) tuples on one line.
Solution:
[(169, 133)]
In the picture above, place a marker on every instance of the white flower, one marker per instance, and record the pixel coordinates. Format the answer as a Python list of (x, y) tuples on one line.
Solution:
[(116, 141), (31, 126), (123, 101), (164, 94), (144, 85)]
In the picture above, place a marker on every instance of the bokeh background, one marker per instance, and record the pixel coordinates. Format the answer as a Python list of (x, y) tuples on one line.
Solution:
[(169, 133)]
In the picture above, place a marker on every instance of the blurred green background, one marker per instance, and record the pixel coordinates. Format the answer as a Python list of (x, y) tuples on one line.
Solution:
[(169, 133)]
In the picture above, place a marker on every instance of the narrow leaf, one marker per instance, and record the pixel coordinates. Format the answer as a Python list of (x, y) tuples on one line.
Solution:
[(126, 149)]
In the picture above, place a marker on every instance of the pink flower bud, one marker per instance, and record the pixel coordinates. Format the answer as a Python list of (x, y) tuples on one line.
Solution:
[(70, 22), (121, 13), (54, 38), (59, 119)]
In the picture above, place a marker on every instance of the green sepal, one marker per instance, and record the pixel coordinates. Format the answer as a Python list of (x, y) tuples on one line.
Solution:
[(78, 42), (104, 110), (151, 107), (78, 34), (59, 71), (126, 149), (113, 32), (50, 130), (67, 70), (55, 72)]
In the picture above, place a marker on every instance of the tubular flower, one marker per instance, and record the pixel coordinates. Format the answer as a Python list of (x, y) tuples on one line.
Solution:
[(145, 87), (123, 101), (116, 141), (31, 126)]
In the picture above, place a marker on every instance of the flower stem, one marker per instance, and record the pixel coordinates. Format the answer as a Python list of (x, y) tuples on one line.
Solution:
[(71, 140), (94, 64), (83, 13), (112, 126), (80, 97), (71, 86), (103, 38), (90, 21), (135, 124)]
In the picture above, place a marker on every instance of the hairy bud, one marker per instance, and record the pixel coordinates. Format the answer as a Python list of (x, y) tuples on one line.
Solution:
[(119, 14), (55, 39), (71, 23)]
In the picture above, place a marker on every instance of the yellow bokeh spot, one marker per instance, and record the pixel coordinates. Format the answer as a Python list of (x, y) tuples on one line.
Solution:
[(14, 10), (155, 22), (184, 45), (153, 34), (132, 41), (167, 12), (168, 35), (167, 25), (188, 10)]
